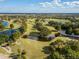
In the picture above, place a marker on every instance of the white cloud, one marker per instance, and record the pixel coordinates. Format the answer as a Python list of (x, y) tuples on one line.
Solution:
[(47, 4), (59, 3), (53, 3), (72, 4)]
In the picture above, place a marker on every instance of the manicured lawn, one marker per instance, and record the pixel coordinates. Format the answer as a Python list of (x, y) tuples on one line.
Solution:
[(61, 20), (30, 24)]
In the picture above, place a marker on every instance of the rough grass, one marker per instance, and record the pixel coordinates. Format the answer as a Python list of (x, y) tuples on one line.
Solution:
[(34, 49), (2, 51)]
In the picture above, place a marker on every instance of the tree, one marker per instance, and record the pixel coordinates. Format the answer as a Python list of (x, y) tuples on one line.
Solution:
[(21, 54), (11, 26), (3, 38), (74, 45), (70, 54), (52, 23), (76, 31), (58, 27), (44, 32), (69, 31), (21, 29), (38, 26), (70, 49), (66, 25), (1, 26), (15, 35), (56, 55)]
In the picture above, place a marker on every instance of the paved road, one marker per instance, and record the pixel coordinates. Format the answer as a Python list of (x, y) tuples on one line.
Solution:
[(63, 33)]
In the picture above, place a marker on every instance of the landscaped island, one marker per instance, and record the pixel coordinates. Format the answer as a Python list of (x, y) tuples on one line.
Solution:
[(39, 36)]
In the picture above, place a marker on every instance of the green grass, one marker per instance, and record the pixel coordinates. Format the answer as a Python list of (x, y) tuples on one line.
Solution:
[(30, 24), (34, 49), (61, 20), (14, 48), (2, 51)]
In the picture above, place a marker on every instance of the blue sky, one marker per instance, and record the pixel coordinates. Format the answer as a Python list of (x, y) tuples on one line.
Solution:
[(39, 6)]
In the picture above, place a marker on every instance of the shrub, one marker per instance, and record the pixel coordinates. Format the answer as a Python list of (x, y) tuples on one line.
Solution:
[(76, 31)]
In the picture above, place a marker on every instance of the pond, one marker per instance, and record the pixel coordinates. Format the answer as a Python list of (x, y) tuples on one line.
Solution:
[(5, 23), (8, 32)]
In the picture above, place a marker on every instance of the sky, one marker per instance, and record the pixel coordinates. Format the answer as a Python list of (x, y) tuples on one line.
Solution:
[(39, 6)]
